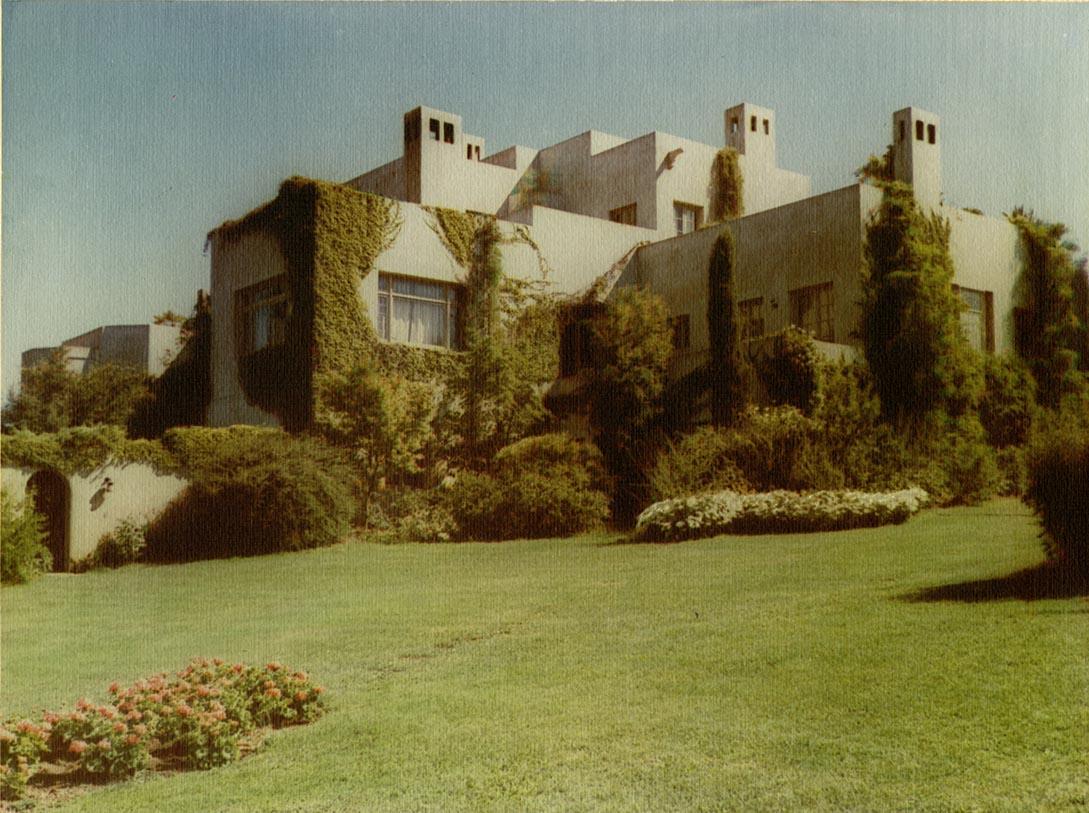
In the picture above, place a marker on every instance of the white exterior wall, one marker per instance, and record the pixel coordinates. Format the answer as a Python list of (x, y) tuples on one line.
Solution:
[(138, 493), (809, 242), (251, 258), (986, 256), (387, 180)]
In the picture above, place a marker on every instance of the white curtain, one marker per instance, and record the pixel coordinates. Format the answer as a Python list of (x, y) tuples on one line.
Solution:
[(418, 322)]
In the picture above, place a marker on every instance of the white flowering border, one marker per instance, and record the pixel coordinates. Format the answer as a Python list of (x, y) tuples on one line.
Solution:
[(774, 512)]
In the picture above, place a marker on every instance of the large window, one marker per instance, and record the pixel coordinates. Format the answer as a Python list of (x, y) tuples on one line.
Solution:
[(811, 309), (261, 313), (977, 318), (750, 314), (625, 215), (417, 312), (687, 217)]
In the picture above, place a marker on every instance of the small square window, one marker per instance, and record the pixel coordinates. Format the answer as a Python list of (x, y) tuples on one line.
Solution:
[(448, 132), (767, 128), (811, 309), (752, 124), (918, 131), (477, 148), (624, 214), (931, 133), (433, 129), (687, 217), (469, 151), (750, 315)]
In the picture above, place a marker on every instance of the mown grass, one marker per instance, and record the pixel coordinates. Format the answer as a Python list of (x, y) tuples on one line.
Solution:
[(808, 672)]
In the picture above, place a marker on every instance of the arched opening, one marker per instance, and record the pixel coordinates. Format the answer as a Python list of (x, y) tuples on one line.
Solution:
[(53, 500)]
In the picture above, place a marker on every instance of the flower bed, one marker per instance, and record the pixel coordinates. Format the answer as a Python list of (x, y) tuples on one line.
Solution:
[(195, 719), (774, 512)]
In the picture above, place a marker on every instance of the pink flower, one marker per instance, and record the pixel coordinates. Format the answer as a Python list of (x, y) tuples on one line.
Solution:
[(274, 666), (119, 727), (107, 712), (302, 676), (83, 703), (273, 692), (115, 687), (134, 715), (104, 744), (319, 689), (301, 695), (132, 739), (203, 691), (219, 714), (217, 661), (77, 746), (184, 710), (155, 698), (237, 668), (25, 726), (140, 729)]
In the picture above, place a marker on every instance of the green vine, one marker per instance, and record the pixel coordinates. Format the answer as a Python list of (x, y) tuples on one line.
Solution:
[(727, 186), (329, 236)]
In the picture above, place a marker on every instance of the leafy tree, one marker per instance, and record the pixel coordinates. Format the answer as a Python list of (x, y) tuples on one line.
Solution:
[(633, 345), (52, 397), (725, 365), (919, 358), (181, 395), (1048, 331), (382, 421)]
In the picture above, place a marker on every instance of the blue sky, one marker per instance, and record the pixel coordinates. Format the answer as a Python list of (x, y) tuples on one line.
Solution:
[(131, 129)]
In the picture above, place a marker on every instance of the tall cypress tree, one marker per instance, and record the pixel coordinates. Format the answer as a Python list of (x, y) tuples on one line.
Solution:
[(725, 365), (911, 316)]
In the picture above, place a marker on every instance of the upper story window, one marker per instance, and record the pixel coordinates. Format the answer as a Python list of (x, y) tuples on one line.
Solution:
[(811, 309), (261, 313), (625, 215), (750, 315), (919, 130), (752, 123), (433, 129), (415, 311), (687, 217), (767, 127), (977, 318), (931, 134), (448, 132)]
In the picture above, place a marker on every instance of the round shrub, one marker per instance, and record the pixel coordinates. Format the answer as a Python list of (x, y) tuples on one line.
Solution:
[(23, 554), (698, 463), (551, 485), (1058, 491), (124, 545), (789, 370), (252, 492)]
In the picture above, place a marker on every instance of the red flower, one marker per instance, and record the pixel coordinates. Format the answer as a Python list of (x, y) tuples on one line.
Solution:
[(115, 687), (273, 692), (77, 746), (301, 695)]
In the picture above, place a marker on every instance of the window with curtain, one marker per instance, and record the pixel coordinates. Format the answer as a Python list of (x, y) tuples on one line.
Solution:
[(414, 311)]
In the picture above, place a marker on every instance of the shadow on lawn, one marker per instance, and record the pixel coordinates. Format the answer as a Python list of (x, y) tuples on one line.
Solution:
[(1043, 581)]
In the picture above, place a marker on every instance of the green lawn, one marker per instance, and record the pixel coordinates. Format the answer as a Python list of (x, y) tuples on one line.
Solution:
[(740, 673)]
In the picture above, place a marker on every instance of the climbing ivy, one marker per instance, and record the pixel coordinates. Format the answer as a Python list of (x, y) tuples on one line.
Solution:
[(727, 186), (329, 236)]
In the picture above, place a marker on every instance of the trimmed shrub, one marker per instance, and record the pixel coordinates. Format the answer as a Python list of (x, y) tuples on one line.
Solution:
[(1058, 491), (965, 464), (550, 485), (253, 491), (789, 370), (23, 554), (698, 463), (774, 512), (1009, 401), (124, 545)]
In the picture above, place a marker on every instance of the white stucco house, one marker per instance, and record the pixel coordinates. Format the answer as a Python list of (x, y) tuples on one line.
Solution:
[(633, 209)]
